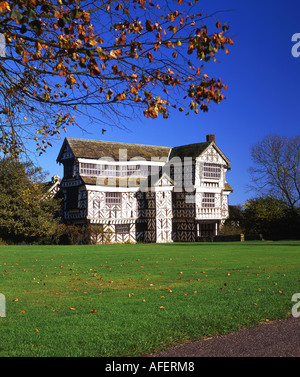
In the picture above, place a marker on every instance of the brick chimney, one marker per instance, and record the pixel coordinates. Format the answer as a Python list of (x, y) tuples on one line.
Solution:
[(210, 138)]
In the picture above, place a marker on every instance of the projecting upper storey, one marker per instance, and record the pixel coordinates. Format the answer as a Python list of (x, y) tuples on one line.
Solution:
[(89, 159)]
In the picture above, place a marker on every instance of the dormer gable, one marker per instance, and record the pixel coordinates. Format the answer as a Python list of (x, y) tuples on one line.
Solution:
[(65, 152), (164, 181), (197, 150), (213, 154)]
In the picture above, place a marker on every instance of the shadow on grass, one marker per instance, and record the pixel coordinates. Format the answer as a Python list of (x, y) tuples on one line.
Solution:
[(249, 243)]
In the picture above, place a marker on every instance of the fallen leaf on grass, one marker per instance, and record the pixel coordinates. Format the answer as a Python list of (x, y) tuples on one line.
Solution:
[(72, 309), (94, 311), (23, 312)]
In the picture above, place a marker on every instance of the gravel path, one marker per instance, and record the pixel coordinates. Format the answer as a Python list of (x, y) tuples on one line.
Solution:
[(272, 339)]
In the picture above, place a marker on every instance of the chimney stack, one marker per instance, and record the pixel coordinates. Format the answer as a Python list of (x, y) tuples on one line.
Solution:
[(210, 138)]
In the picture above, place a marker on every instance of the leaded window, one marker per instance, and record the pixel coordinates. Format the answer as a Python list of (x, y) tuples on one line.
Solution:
[(113, 198), (109, 170), (211, 170), (208, 200), (122, 228)]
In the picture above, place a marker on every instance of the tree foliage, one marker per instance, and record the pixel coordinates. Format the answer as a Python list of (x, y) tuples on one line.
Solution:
[(26, 213), (270, 217), (63, 57), (276, 170)]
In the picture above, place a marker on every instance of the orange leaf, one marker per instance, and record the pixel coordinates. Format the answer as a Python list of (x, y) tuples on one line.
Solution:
[(72, 309), (94, 311), (23, 312)]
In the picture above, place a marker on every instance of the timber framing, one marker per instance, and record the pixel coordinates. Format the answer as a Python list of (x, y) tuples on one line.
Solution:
[(144, 193)]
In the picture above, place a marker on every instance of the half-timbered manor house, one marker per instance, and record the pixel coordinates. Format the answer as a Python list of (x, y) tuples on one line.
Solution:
[(143, 193)]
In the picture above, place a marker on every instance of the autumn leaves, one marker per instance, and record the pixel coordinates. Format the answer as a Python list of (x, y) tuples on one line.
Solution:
[(110, 300), (158, 283), (63, 56)]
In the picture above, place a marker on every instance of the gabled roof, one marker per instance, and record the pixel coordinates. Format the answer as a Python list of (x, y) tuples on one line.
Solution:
[(164, 180), (51, 188), (189, 150), (195, 150), (95, 149)]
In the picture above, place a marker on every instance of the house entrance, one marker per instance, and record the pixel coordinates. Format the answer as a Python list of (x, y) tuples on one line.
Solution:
[(207, 229)]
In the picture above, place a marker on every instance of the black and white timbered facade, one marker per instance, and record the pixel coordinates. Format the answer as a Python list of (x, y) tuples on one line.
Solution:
[(142, 193)]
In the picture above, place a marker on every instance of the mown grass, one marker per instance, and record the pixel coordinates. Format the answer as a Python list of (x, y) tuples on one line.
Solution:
[(130, 300)]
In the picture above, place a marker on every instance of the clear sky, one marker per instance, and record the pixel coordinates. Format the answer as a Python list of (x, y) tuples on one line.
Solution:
[(263, 93)]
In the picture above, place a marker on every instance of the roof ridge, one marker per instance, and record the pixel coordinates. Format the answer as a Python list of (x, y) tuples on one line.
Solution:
[(186, 145), (116, 142), (146, 145)]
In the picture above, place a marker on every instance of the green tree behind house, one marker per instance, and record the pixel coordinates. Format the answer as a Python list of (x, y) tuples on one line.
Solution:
[(270, 217), (26, 213)]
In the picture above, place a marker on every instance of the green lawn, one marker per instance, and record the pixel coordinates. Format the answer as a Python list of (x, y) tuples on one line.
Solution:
[(130, 300)]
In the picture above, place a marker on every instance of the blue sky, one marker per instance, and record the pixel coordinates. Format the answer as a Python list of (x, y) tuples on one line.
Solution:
[(263, 93)]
